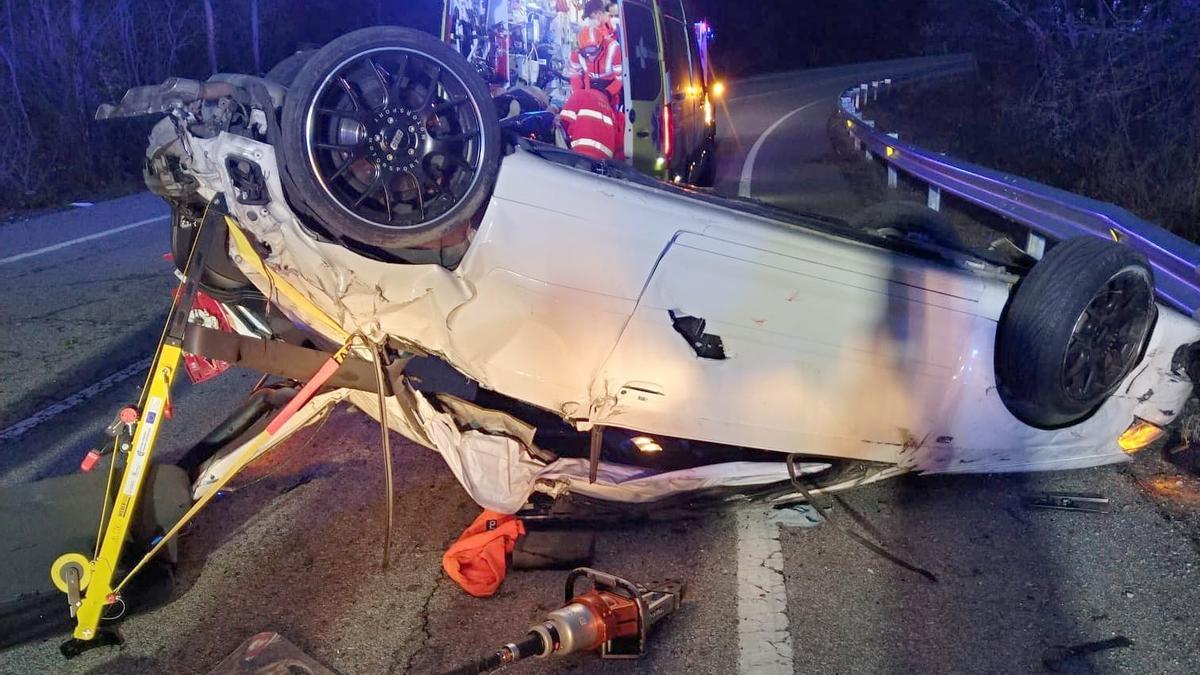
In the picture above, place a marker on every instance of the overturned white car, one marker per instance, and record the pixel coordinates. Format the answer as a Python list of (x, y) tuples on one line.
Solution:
[(670, 342)]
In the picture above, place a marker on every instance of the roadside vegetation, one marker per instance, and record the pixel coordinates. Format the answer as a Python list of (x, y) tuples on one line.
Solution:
[(60, 60), (1100, 98)]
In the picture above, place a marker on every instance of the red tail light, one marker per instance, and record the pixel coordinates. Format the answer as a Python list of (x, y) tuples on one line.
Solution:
[(667, 132)]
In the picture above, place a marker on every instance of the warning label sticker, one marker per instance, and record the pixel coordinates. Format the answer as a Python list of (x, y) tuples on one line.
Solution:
[(139, 455)]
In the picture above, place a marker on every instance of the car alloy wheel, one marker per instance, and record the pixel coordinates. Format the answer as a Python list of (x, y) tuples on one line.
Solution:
[(393, 137), (1108, 335)]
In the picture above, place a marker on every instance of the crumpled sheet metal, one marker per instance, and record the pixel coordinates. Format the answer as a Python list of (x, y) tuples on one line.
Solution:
[(631, 484), (499, 474), (359, 294)]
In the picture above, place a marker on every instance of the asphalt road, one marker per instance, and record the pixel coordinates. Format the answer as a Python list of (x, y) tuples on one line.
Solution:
[(296, 548)]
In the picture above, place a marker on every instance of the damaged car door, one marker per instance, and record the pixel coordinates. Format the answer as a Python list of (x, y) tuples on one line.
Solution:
[(759, 335)]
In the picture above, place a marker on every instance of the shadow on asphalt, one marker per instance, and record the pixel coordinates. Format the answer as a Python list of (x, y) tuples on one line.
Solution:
[(1015, 541), (59, 386), (1018, 589)]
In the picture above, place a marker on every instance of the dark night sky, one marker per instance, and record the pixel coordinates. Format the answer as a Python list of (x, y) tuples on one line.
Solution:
[(761, 35)]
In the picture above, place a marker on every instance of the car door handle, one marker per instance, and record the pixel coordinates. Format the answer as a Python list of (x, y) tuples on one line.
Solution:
[(643, 134)]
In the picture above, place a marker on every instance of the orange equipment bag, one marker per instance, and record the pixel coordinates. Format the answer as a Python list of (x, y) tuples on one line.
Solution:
[(477, 561)]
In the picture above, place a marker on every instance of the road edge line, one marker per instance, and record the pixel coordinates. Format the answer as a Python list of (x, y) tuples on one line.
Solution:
[(764, 634), (748, 165), (82, 396)]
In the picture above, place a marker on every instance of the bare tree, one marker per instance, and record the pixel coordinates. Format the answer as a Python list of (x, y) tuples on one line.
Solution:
[(254, 37), (211, 31), (1101, 96), (60, 59)]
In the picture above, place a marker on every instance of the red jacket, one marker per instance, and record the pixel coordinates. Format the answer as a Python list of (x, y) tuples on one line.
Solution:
[(594, 129), (607, 64)]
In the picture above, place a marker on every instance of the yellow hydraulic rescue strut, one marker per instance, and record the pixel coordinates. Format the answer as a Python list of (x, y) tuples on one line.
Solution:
[(73, 573)]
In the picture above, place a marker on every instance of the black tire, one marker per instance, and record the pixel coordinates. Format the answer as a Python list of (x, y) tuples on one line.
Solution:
[(390, 140), (285, 71), (705, 170), (1074, 328), (222, 279), (908, 220)]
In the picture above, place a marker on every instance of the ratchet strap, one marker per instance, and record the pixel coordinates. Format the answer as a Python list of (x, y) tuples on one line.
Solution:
[(302, 397)]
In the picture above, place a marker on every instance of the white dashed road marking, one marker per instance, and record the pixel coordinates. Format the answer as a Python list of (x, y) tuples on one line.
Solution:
[(79, 240), (764, 639), (73, 400)]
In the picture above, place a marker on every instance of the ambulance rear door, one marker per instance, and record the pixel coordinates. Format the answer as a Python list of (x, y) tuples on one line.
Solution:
[(643, 86), (684, 88)]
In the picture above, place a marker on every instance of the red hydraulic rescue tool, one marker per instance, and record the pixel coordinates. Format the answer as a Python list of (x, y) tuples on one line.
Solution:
[(615, 617)]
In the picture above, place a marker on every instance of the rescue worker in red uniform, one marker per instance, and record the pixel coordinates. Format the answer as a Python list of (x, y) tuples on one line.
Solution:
[(599, 60), (591, 125), (592, 116)]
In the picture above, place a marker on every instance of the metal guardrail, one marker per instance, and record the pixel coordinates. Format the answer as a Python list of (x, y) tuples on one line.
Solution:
[(1049, 213)]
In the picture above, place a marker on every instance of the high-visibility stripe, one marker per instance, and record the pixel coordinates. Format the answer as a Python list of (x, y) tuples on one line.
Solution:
[(592, 144), (569, 114), (596, 114), (610, 56)]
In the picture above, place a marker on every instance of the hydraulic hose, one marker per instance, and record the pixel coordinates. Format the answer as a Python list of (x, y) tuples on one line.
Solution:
[(530, 645)]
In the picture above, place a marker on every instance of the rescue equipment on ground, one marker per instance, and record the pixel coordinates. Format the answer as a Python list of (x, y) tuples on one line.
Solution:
[(92, 584), (616, 617), (478, 560)]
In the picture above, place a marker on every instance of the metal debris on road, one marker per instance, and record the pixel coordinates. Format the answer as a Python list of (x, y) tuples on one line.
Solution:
[(876, 548), (799, 515), (268, 652), (1066, 501)]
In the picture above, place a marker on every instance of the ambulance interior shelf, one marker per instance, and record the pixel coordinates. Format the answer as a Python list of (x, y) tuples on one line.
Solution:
[(514, 42)]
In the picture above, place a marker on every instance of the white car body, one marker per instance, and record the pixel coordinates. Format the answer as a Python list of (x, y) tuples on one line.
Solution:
[(835, 347)]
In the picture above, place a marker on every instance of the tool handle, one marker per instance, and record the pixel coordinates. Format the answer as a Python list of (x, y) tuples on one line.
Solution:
[(306, 392)]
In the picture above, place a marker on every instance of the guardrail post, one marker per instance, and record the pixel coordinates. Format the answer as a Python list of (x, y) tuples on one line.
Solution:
[(888, 81), (874, 90), (892, 178), (934, 201), (1035, 245), (866, 150)]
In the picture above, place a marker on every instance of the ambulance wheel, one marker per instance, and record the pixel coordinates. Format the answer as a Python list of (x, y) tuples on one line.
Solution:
[(390, 140)]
